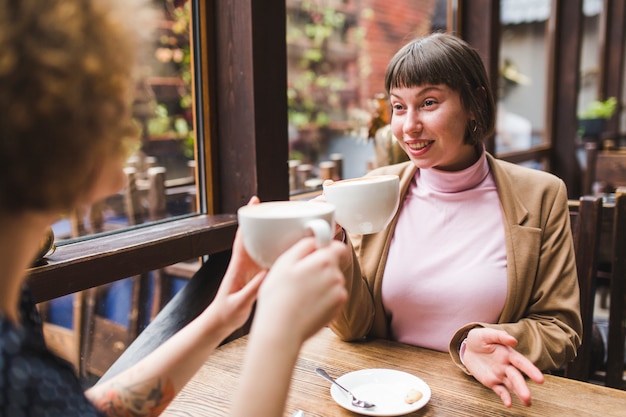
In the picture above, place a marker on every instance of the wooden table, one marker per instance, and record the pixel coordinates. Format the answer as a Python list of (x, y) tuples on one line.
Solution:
[(453, 392)]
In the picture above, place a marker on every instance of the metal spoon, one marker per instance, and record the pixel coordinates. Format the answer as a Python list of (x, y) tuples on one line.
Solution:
[(355, 401)]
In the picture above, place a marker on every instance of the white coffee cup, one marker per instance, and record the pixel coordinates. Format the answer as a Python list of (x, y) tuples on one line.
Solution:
[(270, 228), (364, 205)]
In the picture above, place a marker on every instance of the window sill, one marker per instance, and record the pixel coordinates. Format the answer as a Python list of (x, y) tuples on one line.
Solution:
[(105, 259)]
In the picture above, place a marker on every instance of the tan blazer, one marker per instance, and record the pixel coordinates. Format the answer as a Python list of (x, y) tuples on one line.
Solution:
[(542, 308)]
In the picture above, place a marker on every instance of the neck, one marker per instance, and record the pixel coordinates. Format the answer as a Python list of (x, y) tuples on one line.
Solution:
[(20, 237)]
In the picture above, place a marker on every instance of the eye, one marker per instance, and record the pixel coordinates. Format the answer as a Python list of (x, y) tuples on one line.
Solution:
[(396, 107), (429, 102)]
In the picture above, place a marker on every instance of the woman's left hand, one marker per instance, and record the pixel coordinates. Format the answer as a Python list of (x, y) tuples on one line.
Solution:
[(491, 358), (238, 290)]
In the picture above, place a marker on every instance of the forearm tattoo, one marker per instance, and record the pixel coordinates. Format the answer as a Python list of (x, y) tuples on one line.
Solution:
[(144, 399)]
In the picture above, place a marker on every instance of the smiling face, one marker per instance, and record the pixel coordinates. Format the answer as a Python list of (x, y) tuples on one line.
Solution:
[(430, 124), (441, 100)]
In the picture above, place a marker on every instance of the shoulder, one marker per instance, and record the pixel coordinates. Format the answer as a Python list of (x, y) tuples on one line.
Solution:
[(523, 178), (521, 172), (528, 195)]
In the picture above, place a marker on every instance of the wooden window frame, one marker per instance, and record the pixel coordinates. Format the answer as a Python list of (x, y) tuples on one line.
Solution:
[(479, 24), (242, 119), (242, 115)]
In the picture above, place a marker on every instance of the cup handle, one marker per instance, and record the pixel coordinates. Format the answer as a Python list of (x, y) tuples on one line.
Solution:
[(321, 231)]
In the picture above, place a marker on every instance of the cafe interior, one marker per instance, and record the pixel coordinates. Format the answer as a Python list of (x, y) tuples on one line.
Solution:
[(271, 98)]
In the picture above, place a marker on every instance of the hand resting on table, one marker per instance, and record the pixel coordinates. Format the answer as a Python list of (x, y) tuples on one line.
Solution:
[(491, 358)]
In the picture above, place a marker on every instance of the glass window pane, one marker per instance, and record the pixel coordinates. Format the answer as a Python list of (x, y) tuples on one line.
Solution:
[(92, 328), (622, 109), (523, 69), (161, 173), (337, 52), (590, 58)]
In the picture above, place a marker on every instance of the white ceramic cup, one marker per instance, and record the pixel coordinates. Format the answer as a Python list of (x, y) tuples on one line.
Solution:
[(270, 228), (364, 205)]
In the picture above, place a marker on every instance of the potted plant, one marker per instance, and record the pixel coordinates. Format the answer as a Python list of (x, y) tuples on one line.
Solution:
[(591, 121)]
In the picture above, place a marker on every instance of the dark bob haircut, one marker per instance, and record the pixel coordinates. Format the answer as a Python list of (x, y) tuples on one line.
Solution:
[(442, 58)]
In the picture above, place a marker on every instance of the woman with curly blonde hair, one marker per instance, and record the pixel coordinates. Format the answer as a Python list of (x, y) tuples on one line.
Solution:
[(66, 77)]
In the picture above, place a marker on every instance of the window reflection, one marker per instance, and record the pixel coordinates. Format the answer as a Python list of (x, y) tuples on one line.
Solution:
[(337, 55), (161, 172), (522, 75), (92, 328), (590, 53), (622, 114)]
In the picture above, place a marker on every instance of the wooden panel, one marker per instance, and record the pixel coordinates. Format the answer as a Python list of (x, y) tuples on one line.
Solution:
[(480, 26), (454, 393), (251, 109), (605, 170), (108, 342), (62, 342), (617, 313), (611, 168), (613, 46), (586, 218), (564, 35), (101, 260)]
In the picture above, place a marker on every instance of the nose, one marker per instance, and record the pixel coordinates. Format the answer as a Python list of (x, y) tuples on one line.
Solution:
[(412, 122)]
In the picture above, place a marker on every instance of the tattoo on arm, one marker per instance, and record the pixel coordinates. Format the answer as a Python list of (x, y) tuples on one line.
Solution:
[(144, 399)]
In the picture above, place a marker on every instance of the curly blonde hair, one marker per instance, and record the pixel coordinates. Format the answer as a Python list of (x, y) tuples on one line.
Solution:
[(66, 78)]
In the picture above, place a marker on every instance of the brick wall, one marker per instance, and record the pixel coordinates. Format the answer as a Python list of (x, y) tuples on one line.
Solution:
[(393, 24)]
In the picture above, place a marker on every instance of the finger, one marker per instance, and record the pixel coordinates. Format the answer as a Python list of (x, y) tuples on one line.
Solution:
[(253, 200), (504, 395), (522, 363), (504, 338), (240, 256), (249, 292), (334, 252), (517, 384)]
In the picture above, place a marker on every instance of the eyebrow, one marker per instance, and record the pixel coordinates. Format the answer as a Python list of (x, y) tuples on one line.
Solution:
[(425, 90)]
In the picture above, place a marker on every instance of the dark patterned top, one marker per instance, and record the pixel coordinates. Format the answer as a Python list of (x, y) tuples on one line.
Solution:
[(33, 381)]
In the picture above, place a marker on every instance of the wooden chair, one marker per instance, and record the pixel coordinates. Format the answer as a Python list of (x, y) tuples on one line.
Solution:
[(611, 373), (605, 170), (145, 200), (585, 220), (617, 307), (105, 339), (63, 341), (92, 342)]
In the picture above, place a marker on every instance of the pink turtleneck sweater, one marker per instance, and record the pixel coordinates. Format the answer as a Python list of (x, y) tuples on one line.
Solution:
[(447, 260)]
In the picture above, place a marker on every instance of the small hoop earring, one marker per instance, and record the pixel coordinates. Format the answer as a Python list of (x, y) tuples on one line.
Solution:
[(475, 125)]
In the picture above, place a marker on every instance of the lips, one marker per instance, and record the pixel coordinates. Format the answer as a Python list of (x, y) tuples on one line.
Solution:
[(418, 146)]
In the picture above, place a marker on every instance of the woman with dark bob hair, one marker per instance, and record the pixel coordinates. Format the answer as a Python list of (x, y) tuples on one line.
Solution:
[(478, 261), (66, 78)]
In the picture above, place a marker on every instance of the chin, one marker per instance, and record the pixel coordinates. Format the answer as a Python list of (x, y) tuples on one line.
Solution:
[(421, 164)]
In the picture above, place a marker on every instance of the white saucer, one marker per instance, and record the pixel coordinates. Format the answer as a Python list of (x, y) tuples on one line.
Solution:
[(384, 387)]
